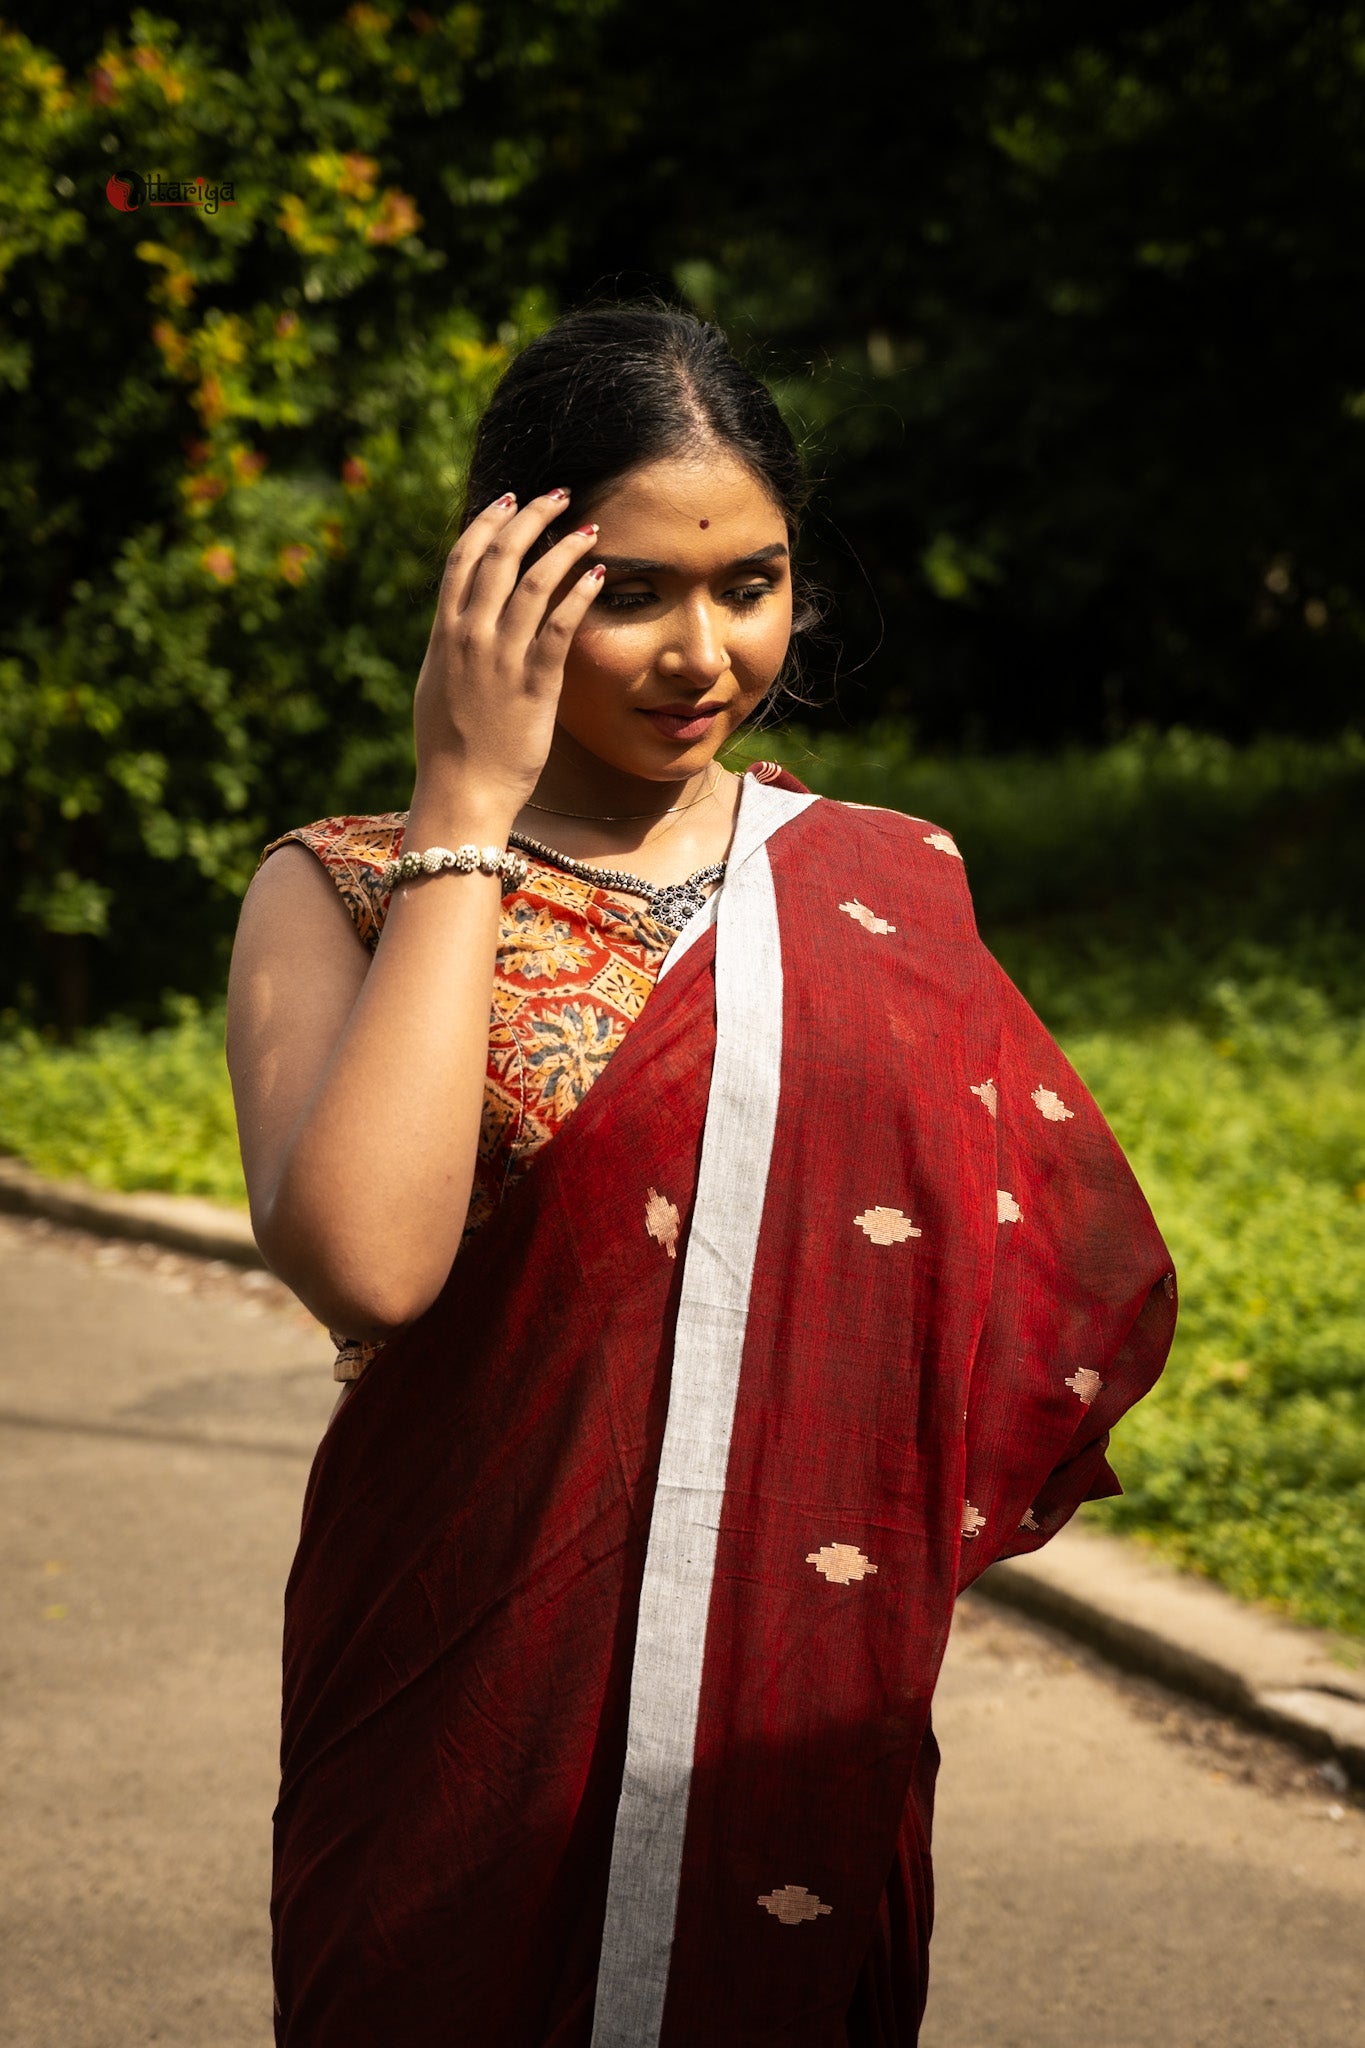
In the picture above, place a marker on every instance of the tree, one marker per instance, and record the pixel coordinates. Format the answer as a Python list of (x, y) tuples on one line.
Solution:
[(235, 438), (1067, 299)]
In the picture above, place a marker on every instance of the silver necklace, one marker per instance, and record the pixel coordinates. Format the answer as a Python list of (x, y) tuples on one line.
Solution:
[(671, 905)]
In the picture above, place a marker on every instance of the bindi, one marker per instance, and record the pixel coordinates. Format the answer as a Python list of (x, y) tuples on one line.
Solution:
[(703, 523)]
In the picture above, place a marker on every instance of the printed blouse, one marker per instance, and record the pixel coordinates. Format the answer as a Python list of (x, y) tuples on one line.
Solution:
[(575, 966)]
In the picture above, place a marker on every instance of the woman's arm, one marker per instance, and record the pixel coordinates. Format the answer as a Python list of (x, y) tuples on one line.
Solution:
[(359, 1084)]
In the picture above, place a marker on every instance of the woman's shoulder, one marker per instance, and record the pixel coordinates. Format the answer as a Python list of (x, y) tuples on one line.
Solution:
[(912, 862), (353, 850), (901, 828), (900, 834), (368, 841)]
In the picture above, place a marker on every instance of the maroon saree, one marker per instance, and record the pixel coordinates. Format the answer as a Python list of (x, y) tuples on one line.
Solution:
[(625, 1574)]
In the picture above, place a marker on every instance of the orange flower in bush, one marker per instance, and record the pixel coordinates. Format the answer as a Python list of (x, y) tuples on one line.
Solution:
[(285, 325), (202, 490), (247, 464), (398, 218), (357, 176), (355, 473), (333, 538), (220, 561), (209, 401), (171, 342), (292, 561)]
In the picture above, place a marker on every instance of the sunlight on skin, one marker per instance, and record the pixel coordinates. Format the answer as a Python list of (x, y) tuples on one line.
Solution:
[(710, 626)]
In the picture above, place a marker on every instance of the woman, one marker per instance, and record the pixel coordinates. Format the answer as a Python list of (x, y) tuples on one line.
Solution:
[(759, 1275)]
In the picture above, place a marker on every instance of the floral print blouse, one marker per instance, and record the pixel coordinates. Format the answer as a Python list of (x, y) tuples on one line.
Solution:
[(575, 966)]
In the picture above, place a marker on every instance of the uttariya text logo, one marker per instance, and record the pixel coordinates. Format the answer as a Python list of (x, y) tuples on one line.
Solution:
[(129, 191)]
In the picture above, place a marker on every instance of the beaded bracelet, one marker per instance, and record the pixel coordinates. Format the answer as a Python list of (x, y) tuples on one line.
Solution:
[(489, 860)]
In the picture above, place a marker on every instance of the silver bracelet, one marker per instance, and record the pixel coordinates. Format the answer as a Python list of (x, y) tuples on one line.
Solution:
[(489, 860)]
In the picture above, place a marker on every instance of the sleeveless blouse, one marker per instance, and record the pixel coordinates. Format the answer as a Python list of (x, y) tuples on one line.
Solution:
[(575, 965)]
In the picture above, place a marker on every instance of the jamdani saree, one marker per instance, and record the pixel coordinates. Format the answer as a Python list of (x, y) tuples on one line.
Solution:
[(626, 1572)]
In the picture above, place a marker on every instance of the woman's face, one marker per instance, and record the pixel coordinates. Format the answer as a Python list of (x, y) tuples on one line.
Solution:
[(693, 620)]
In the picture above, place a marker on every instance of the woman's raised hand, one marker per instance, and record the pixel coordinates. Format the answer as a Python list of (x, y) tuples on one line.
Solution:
[(486, 697)]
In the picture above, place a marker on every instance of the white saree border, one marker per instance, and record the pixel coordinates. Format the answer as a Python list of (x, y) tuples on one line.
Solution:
[(675, 1598)]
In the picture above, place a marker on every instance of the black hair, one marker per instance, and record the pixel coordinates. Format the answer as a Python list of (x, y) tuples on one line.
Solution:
[(611, 387)]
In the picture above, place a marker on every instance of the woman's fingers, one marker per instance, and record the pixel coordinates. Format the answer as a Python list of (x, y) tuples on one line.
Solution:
[(499, 564), (545, 658), (464, 558), (525, 611)]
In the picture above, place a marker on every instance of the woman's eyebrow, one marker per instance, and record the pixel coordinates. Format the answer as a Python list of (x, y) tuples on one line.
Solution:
[(636, 565)]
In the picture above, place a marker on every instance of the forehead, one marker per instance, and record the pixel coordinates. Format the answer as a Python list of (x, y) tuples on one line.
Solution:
[(706, 505)]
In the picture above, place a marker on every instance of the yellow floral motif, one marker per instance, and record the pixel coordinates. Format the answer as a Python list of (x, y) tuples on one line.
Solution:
[(1007, 1210), (793, 1904), (1051, 1106), (625, 987), (886, 1226), (662, 1221), (843, 1564), (537, 945), (868, 919), (986, 1091)]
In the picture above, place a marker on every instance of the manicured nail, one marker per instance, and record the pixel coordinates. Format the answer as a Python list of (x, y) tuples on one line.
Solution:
[(507, 498), (558, 492), (596, 575), (589, 530)]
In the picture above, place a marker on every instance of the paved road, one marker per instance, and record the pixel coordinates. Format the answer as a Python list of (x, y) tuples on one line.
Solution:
[(1116, 1870)]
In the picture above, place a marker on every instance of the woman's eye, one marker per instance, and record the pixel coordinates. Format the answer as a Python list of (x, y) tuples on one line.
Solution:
[(618, 600)]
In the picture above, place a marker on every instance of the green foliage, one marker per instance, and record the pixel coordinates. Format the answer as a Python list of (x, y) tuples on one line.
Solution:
[(1019, 278), (1248, 1462), (1059, 297), (237, 440), (1119, 886), (126, 1108)]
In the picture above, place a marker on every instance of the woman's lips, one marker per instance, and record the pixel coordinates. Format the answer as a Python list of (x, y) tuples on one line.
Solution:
[(692, 724)]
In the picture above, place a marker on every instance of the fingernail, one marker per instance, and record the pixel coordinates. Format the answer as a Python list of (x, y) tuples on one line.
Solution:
[(589, 530), (597, 574), (558, 492), (507, 498)]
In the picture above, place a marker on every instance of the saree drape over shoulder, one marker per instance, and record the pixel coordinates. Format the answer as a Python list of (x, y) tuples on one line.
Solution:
[(626, 1572)]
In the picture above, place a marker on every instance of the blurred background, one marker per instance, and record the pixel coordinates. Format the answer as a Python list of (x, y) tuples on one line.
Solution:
[(1064, 305)]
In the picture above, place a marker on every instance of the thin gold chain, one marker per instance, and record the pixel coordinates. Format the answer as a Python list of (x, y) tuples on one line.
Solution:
[(626, 817)]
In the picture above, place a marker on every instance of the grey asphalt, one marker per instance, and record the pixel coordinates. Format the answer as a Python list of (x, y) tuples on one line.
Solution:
[(1116, 1869)]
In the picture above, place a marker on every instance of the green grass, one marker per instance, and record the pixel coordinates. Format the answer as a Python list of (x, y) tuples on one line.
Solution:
[(1248, 1135), (1186, 917), (126, 1108)]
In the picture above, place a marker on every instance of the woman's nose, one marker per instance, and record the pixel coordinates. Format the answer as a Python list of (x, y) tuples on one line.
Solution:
[(698, 652)]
